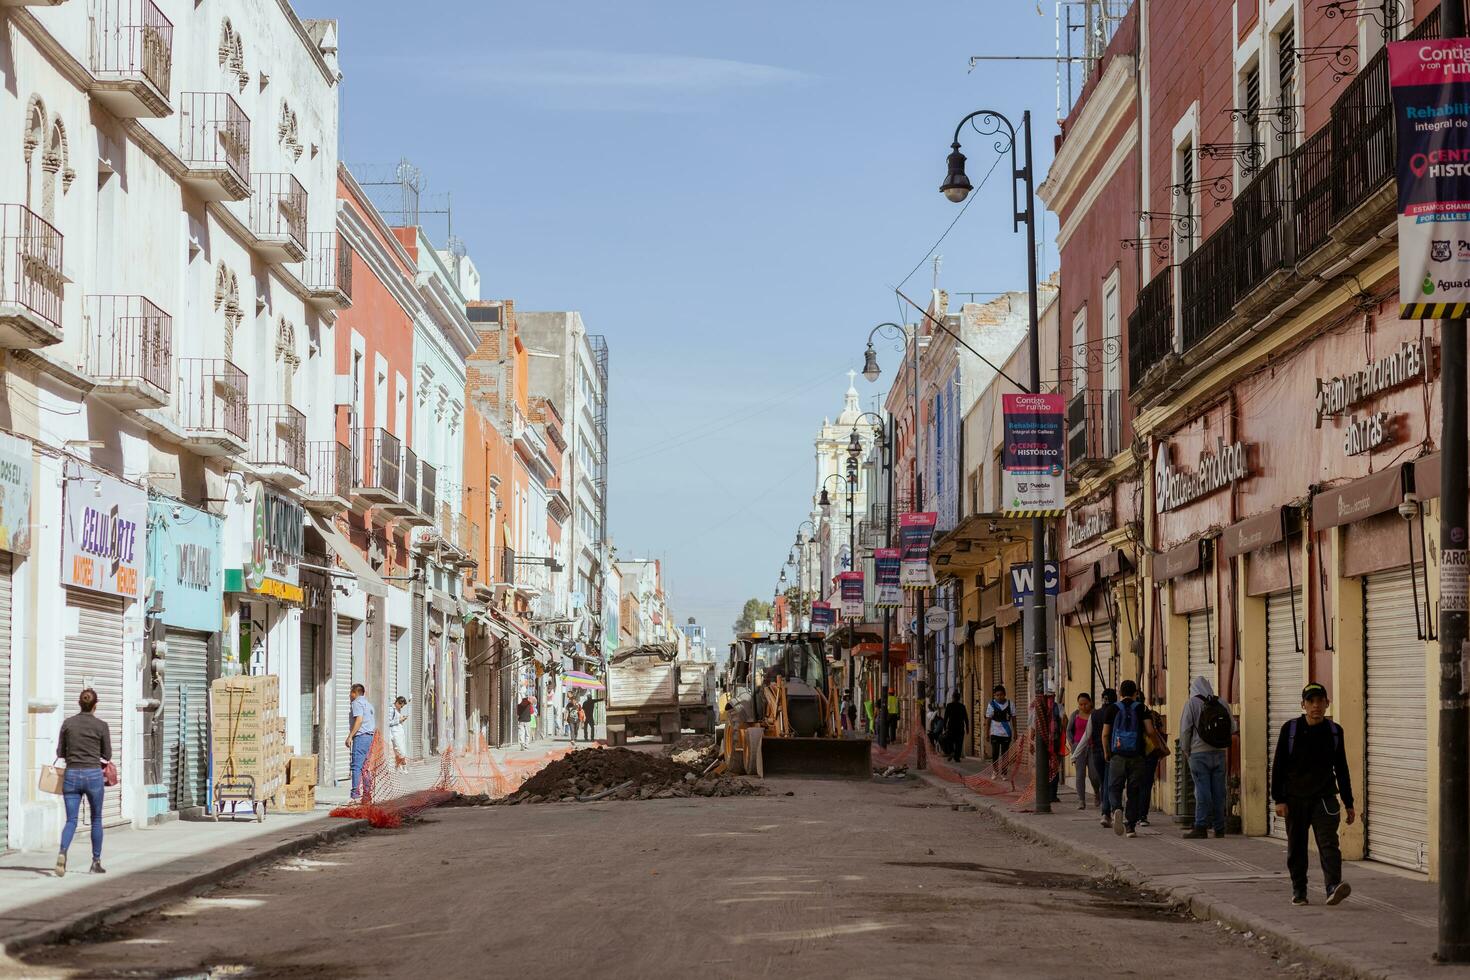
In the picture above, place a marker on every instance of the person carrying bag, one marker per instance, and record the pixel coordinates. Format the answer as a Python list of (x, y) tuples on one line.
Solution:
[(85, 743)]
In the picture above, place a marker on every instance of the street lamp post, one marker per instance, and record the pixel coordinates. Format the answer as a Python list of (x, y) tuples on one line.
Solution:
[(884, 439), (957, 187)]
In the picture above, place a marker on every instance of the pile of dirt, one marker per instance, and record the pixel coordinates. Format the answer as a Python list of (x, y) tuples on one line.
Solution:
[(693, 750), (622, 774)]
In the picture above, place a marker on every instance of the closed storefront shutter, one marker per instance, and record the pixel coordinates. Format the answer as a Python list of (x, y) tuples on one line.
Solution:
[(1286, 674), (342, 699), (185, 735), (94, 658), (4, 698), (398, 665), (1102, 649), (1021, 690), (311, 645), (1201, 644), (1398, 799), (419, 717)]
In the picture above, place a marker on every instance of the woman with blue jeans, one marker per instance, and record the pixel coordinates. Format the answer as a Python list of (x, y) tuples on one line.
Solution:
[(86, 745)]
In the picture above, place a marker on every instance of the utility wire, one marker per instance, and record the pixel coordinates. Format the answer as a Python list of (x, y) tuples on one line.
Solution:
[(968, 201)]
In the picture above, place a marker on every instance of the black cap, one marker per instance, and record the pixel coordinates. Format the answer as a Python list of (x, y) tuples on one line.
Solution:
[(1313, 690)]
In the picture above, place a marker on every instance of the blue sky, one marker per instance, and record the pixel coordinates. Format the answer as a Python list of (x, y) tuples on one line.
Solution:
[(728, 192)]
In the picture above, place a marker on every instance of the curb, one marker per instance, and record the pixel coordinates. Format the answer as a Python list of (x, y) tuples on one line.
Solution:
[(1199, 902), (135, 905)]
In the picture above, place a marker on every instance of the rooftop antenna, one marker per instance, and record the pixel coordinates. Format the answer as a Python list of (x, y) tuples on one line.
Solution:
[(938, 261), (1083, 29)]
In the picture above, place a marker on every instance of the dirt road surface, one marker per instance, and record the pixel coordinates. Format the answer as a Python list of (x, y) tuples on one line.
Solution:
[(849, 880)]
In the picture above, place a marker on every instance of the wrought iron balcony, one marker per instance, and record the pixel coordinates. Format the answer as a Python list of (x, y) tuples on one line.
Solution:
[(406, 506), (30, 279), (327, 271), (214, 145), (1151, 327), (278, 217), (1265, 235), (1207, 285), (131, 57), (328, 476), (278, 443), (428, 488), (378, 453), (129, 351), (1094, 429), (214, 406)]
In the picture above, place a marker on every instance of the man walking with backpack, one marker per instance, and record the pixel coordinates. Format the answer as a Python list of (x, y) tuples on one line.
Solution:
[(1000, 714), (1205, 728), (1308, 775), (1126, 727)]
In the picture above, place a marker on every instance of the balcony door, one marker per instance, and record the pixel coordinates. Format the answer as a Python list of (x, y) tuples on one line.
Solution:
[(1111, 413)]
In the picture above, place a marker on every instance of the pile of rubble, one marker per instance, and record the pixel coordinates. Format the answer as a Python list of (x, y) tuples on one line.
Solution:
[(622, 774), (693, 750)]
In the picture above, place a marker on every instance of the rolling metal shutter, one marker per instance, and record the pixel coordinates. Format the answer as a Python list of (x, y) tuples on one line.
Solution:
[(418, 716), (94, 658), (311, 641), (1286, 674), (1201, 646), (4, 699), (185, 719), (1102, 648), (1397, 818), (1021, 693), (342, 699)]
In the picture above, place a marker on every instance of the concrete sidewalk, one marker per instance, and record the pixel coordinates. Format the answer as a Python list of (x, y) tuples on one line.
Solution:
[(1387, 928), (145, 868)]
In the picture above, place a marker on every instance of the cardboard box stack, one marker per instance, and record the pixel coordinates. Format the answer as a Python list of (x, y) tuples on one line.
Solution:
[(300, 792), (247, 732)]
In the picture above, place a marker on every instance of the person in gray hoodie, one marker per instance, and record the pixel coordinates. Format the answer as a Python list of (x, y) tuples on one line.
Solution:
[(1205, 730)]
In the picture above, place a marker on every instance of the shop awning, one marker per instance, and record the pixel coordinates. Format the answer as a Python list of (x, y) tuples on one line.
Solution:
[(1254, 533), (367, 579), (1427, 476), (1007, 616), (1177, 561), (1360, 499), (985, 636), (1113, 564), (976, 541)]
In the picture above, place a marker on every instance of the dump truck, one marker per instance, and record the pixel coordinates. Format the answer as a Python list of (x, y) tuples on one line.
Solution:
[(643, 693), (697, 694), (781, 713)]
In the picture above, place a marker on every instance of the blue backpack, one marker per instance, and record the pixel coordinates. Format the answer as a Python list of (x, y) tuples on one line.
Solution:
[(1128, 729)]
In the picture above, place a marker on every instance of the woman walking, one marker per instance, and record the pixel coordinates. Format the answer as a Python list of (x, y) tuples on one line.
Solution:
[(86, 745), (397, 730)]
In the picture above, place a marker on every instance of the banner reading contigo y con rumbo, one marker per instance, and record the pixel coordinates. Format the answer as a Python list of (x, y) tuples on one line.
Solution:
[(886, 575), (824, 617), (851, 590), (1431, 99), (915, 535)]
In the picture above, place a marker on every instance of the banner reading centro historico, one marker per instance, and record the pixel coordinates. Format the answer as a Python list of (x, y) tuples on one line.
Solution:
[(915, 535), (851, 590), (1033, 483), (1431, 100), (886, 577)]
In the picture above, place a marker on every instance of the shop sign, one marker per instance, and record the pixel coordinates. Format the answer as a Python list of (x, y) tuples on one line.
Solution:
[(915, 535), (1430, 83), (15, 494), (886, 562), (1367, 434), (851, 590), (184, 564), (1087, 523), (1033, 481), (278, 542), (1336, 395), (102, 534), (936, 618), (1224, 467), (1023, 581)]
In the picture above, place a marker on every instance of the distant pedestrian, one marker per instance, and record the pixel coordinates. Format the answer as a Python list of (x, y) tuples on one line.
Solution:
[(868, 710), (1097, 761), (525, 712), (1077, 739), (1126, 727), (1308, 775), (842, 706), (934, 725), (364, 718), (1001, 715), (85, 744), (1157, 742), (1205, 730), (892, 716), (955, 727), (851, 715), (398, 730), (589, 716), (570, 714)]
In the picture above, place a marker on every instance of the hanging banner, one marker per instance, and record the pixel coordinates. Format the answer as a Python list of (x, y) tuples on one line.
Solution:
[(824, 617), (852, 594), (1034, 480), (915, 535), (1430, 81), (886, 562)]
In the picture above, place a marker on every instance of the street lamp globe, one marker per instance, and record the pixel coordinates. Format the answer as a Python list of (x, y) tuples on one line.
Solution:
[(783, 576), (825, 502), (956, 184), (871, 371), (854, 445)]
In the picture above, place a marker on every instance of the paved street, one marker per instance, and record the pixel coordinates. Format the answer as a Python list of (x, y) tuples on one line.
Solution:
[(835, 880)]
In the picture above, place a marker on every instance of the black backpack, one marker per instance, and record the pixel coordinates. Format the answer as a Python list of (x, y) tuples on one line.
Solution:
[(1213, 724)]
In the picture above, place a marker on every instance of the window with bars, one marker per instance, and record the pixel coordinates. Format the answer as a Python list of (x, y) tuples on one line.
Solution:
[(1252, 91), (1286, 82), (1184, 244)]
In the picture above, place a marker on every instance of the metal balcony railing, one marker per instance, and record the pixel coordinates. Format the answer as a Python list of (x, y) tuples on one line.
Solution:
[(409, 467), (329, 469), (278, 437), (30, 263), (1207, 285), (214, 132), (278, 209), (1094, 425), (214, 397), (1265, 236), (507, 565), (328, 264), (379, 453), (428, 485), (129, 340), (1312, 175), (1362, 137), (131, 40), (1151, 326)]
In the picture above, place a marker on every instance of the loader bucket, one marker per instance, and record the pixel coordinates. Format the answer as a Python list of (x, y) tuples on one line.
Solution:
[(830, 758)]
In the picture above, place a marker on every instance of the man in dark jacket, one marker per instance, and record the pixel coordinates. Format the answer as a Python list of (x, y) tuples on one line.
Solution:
[(956, 726), (1308, 776)]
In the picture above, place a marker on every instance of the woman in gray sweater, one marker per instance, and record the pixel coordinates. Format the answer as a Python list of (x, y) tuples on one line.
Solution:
[(86, 745)]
